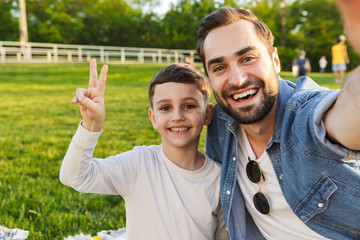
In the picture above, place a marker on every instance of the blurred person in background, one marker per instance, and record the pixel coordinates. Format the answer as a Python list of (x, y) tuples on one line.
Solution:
[(339, 59)]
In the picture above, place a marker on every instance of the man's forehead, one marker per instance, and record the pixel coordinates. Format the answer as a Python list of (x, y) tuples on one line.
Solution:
[(240, 28), (230, 38)]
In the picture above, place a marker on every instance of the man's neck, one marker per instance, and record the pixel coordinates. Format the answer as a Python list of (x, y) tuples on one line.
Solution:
[(260, 133)]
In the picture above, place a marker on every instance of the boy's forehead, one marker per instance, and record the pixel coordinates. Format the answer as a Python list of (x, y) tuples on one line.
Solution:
[(175, 90), (173, 87)]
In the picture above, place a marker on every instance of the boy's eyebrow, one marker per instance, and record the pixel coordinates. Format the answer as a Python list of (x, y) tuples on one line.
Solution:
[(238, 54), (166, 100)]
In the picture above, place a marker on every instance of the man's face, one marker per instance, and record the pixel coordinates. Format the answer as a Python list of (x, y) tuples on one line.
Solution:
[(242, 72)]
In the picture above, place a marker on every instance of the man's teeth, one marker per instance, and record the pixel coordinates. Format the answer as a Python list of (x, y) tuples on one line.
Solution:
[(244, 94), (179, 129)]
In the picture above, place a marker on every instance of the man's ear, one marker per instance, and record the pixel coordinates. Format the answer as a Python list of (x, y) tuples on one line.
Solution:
[(276, 60), (152, 118), (209, 114)]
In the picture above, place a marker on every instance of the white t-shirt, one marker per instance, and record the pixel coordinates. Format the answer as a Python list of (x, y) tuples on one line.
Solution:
[(163, 201), (282, 223)]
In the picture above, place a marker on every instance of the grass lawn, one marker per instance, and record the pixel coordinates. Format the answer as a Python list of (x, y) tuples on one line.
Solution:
[(37, 122)]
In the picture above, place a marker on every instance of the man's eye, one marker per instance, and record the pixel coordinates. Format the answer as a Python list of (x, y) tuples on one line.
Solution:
[(218, 69), (248, 59), (165, 108)]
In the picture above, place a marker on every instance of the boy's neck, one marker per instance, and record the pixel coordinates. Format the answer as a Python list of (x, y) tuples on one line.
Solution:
[(189, 159)]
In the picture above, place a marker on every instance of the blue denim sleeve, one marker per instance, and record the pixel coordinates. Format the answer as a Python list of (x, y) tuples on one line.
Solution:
[(320, 130)]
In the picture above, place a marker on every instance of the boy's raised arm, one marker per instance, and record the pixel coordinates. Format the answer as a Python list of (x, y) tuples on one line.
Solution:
[(91, 100)]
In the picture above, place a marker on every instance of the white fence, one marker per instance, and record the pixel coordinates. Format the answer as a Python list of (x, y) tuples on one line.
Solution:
[(50, 52)]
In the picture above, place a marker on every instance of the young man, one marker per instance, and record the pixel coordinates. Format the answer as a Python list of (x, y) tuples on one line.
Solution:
[(339, 59), (289, 152), (303, 64), (171, 191)]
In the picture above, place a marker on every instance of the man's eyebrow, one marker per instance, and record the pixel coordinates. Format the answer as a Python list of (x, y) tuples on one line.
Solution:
[(238, 53), (214, 60), (245, 50)]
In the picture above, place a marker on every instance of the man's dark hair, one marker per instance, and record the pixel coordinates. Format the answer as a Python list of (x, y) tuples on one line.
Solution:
[(224, 16)]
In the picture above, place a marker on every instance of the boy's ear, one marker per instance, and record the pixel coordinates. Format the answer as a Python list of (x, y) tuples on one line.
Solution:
[(152, 118), (209, 114)]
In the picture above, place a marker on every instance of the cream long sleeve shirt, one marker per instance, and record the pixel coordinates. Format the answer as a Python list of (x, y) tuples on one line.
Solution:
[(163, 201)]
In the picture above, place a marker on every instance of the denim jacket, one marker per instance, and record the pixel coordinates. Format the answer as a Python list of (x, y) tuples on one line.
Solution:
[(320, 180)]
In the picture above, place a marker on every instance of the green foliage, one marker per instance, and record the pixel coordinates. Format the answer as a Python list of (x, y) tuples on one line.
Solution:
[(9, 29), (311, 25), (182, 20)]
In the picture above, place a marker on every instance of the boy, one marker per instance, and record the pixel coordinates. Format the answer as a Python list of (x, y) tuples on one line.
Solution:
[(171, 191)]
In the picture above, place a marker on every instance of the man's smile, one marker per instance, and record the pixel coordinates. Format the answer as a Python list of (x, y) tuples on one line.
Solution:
[(244, 95)]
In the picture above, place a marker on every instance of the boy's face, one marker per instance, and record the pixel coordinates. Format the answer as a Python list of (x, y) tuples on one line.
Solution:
[(179, 113)]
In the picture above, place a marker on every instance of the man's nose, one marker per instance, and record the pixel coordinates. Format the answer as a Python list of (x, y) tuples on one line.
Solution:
[(237, 76)]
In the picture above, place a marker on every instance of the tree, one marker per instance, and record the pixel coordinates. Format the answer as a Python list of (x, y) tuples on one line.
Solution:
[(55, 21), (315, 25), (182, 20), (9, 29)]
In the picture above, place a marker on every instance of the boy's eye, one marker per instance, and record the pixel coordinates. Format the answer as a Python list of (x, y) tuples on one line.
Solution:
[(165, 108), (189, 106)]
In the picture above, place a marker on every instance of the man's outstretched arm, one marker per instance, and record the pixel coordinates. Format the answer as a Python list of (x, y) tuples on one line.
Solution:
[(342, 121)]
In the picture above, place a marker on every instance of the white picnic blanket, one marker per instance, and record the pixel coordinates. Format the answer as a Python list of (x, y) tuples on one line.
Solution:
[(119, 234), (13, 234)]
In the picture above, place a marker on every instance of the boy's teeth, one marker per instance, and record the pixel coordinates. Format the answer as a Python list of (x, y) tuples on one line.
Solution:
[(179, 129), (244, 94)]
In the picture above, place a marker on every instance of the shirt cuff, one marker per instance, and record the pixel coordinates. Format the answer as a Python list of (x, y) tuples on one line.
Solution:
[(85, 138)]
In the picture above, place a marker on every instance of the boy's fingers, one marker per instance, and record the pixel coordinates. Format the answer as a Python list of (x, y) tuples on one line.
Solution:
[(80, 93), (102, 78), (88, 104), (93, 74), (74, 100)]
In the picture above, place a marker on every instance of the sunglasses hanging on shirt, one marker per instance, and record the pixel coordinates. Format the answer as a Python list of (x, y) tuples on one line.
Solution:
[(254, 173)]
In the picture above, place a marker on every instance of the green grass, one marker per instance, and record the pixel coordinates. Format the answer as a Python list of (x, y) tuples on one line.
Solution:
[(37, 122)]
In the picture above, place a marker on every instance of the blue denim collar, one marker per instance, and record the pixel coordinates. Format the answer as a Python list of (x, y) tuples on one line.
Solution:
[(284, 94)]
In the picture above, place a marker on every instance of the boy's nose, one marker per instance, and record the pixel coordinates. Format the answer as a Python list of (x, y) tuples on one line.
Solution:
[(177, 115)]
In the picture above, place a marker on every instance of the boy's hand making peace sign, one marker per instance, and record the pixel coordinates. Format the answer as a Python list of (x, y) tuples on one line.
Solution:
[(91, 100)]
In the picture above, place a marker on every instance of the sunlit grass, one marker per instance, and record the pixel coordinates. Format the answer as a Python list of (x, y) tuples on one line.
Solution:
[(37, 122)]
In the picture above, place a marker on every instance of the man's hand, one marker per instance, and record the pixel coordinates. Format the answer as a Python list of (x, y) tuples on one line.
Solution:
[(342, 121), (91, 100), (350, 11)]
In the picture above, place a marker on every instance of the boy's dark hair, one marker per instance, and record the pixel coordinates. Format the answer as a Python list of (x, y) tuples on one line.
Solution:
[(227, 15), (180, 73)]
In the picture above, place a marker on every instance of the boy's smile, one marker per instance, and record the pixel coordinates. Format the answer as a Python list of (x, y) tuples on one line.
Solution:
[(179, 114)]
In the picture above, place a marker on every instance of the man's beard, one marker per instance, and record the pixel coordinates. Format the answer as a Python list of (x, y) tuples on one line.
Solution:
[(252, 113)]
